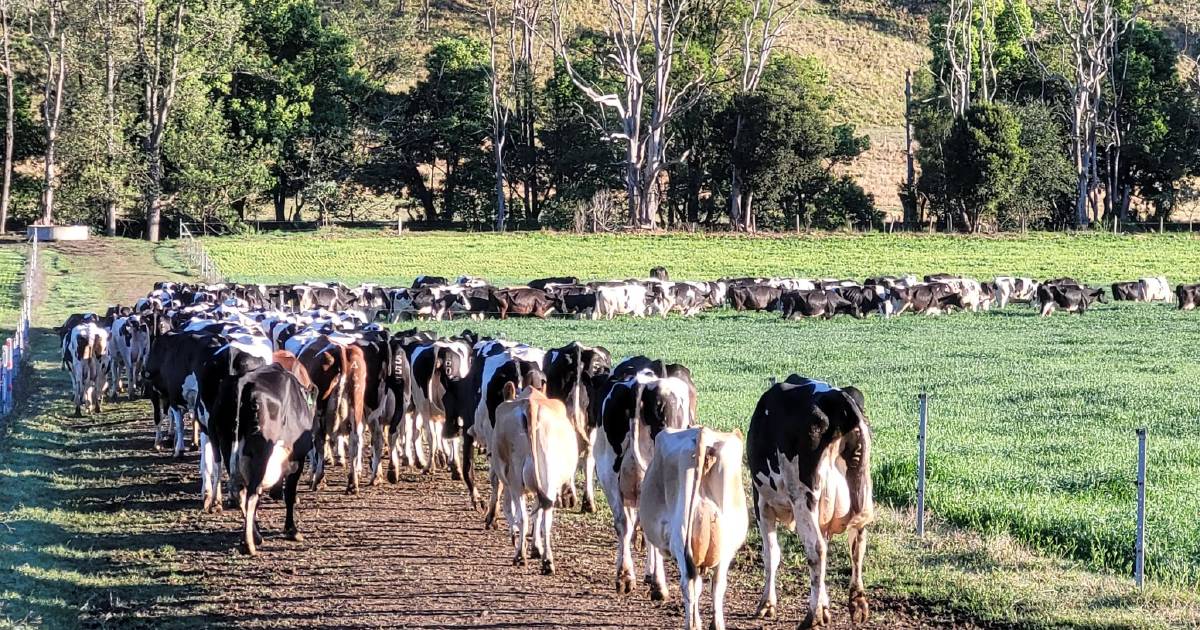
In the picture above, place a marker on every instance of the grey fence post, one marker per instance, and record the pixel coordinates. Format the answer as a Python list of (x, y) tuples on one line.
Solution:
[(923, 400), (1139, 545)]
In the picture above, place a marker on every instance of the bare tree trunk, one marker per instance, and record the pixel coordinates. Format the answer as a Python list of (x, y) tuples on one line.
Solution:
[(55, 48), (9, 111), (500, 112), (110, 107)]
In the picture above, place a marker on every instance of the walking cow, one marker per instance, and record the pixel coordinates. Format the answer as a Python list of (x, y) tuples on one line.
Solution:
[(810, 461)]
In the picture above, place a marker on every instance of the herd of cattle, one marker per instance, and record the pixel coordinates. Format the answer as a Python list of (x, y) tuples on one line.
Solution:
[(432, 297), (268, 390)]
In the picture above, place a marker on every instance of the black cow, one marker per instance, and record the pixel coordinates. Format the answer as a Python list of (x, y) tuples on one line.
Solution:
[(546, 283), (932, 298), (1071, 298), (808, 448), (817, 303), (1128, 291), (574, 373), (1188, 296), (868, 298), (754, 297), (264, 431), (475, 302), (659, 273), (172, 376), (573, 299), (429, 281)]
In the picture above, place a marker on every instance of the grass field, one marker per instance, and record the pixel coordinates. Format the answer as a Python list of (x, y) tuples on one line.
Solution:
[(1032, 429)]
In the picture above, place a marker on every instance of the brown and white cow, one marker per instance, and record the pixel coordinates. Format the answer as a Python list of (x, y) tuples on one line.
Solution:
[(535, 451), (339, 374), (693, 506), (810, 463)]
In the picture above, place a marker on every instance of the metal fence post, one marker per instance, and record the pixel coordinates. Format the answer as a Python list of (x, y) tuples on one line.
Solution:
[(1139, 545), (923, 402)]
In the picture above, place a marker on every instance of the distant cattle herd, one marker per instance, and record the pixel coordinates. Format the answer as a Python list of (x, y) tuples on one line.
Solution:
[(270, 378)]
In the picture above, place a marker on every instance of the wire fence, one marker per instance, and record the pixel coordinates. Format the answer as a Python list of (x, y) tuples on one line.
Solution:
[(16, 348), (194, 252)]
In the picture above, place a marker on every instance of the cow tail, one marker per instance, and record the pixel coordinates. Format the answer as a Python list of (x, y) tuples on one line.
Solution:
[(582, 425), (635, 426), (693, 502), (531, 423), (858, 461)]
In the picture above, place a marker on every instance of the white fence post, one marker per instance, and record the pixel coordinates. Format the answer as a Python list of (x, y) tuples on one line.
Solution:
[(197, 256), (923, 401), (1139, 545)]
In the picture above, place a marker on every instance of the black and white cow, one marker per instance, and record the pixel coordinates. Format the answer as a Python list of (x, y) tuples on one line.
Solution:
[(263, 428), (86, 349), (1008, 289), (574, 374), (1070, 298), (817, 303), (130, 348), (172, 378), (1187, 296), (809, 450)]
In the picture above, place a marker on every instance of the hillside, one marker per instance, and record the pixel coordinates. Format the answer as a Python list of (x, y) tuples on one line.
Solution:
[(865, 46)]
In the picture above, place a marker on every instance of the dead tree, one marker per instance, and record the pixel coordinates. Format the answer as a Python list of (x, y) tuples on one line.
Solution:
[(760, 33), (53, 42), (6, 67), (501, 110), (957, 38), (645, 36), (159, 51)]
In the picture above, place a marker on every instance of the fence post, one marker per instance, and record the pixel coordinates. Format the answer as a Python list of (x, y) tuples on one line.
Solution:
[(923, 403), (1139, 545)]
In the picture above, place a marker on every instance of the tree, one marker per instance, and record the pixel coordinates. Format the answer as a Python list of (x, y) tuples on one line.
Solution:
[(6, 67), (647, 38), (294, 94), (53, 41), (984, 161), (1044, 194), (159, 52)]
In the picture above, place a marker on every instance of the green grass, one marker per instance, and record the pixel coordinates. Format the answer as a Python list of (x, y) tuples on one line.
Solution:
[(12, 273), (85, 516), (367, 256), (1032, 420)]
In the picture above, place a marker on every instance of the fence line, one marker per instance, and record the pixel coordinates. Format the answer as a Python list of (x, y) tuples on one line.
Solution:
[(16, 348), (196, 255)]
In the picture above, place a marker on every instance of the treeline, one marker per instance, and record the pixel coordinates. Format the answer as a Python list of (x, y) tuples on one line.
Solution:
[(552, 113), (1079, 113)]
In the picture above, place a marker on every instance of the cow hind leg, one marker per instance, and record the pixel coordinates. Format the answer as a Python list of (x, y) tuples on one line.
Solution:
[(654, 562), (251, 528), (771, 554), (522, 529), (355, 460), (207, 483), (589, 477), (626, 528), (177, 425), (376, 452), (814, 549), (291, 532), (719, 582), (394, 454), (547, 551), (860, 611)]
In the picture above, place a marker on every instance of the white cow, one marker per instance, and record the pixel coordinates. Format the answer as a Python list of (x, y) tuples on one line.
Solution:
[(625, 299), (535, 453), (1155, 289), (1006, 289), (693, 506), (130, 350)]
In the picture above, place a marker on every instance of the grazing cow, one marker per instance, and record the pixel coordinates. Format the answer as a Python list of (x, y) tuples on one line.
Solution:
[(522, 301), (693, 506), (1071, 298), (548, 283), (754, 297), (659, 273), (817, 303), (636, 394), (573, 299), (621, 299), (809, 451), (1132, 291), (421, 282), (929, 298), (865, 299), (970, 292), (1188, 296), (535, 451), (574, 373), (686, 298), (87, 347), (1155, 289), (474, 302), (263, 428), (1006, 289)]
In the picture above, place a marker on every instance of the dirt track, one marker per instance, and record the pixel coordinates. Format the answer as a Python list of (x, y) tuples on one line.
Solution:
[(412, 554)]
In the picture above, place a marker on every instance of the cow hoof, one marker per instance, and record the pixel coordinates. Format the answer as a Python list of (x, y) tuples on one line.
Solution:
[(547, 567), (815, 619), (393, 476), (624, 583), (860, 611), (519, 561), (78, 412), (350, 490), (766, 610), (588, 506), (535, 553), (656, 593), (247, 550), (294, 535), (374, 481), (455, 475)]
